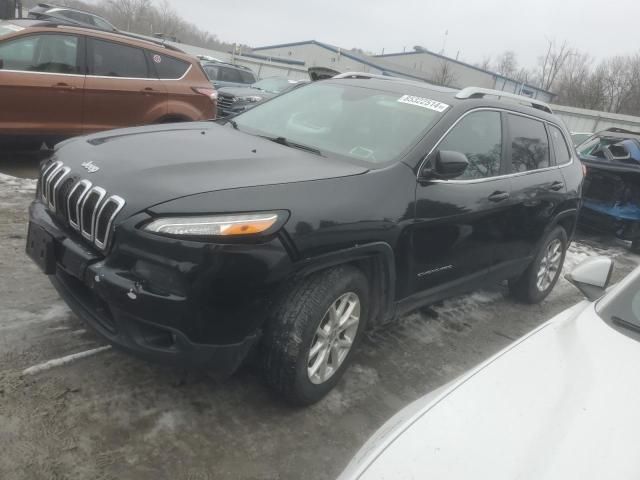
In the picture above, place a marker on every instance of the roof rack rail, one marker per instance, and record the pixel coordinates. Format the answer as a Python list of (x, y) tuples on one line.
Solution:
[(363, 75), (478, 92), (55, 22)]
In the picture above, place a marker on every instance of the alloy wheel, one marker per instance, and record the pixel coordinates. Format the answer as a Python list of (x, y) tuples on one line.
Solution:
[(333, 338), (549, 265)]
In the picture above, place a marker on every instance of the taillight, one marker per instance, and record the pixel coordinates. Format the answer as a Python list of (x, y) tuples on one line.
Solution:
[(209, 92)]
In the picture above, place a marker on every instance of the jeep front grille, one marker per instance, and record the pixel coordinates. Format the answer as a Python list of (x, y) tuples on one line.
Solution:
[(87, 208)]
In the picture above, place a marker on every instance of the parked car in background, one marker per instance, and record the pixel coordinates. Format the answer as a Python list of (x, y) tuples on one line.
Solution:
[(224, 74), (612, 184), (560, 403), (578, 137), (287, 229), (232, 101), (57, 81), (45, 11)]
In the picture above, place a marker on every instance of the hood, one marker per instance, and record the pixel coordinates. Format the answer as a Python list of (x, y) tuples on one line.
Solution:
[(562, 403), (151, 165)]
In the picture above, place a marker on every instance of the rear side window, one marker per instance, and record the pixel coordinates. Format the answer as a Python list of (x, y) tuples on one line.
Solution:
[(560, 147), (41, 53), (229, 75), (479, 137), (247, 77), (211, 71), (110, 59), (529, 144), (169, 68)]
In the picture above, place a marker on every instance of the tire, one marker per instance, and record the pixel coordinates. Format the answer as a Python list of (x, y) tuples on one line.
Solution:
[(293, 329), (528, 288)]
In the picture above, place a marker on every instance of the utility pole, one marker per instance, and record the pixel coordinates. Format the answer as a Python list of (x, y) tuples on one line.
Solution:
[(7, 9)]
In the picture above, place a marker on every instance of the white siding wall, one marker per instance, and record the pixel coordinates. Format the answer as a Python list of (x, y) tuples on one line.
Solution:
[(427, 65), (261, 68), (586, 121), (317, 56)]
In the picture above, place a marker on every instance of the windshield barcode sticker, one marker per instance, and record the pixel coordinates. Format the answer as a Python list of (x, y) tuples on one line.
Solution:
[(424, 102)]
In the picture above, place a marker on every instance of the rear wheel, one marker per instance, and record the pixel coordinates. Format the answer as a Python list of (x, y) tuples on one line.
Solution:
[(540, 277), (313, 332)]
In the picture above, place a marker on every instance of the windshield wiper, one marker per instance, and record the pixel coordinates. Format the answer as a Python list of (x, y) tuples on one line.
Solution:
[(626, 323), (233, 123), (287, 143)]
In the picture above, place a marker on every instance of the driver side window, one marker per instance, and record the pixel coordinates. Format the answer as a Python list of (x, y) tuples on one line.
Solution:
[(479, 137), (50, 53)]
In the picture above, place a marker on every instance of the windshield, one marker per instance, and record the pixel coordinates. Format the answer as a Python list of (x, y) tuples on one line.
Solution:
[(274, 85), (622, 305), (345, 120), (6, 28)]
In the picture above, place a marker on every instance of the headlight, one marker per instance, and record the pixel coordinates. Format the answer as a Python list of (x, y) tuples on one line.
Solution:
[(250, 99), (214, 225)]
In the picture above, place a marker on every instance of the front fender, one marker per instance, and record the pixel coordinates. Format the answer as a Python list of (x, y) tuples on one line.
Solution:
[(382, 269)]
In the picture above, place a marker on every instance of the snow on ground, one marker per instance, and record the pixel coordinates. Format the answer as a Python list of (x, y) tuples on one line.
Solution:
[(13, 191), (17, 185)]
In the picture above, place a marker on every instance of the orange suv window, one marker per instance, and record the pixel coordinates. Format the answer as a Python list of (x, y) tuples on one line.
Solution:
[(169, 68), (110, 59), (41, 53)]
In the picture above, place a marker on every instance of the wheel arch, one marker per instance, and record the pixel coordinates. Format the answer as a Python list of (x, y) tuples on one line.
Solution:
[(567, 219), (173, 118), (376, 260)]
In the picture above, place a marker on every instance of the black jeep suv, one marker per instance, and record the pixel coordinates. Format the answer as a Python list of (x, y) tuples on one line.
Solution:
[(288, 229)]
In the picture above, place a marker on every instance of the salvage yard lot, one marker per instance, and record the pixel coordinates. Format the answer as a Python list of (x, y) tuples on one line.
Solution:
[(111, 416)]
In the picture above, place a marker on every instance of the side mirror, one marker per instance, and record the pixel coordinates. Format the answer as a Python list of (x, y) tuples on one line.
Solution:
[(592, 276), (448, 164)]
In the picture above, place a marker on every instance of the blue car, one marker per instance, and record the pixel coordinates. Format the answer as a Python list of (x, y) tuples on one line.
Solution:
[(611, 190)]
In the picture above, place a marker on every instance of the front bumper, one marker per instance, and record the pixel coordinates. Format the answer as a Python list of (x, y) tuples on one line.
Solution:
[(183, 327)]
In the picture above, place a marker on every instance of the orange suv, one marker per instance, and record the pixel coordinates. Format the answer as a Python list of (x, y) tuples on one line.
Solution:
[(57, 81)]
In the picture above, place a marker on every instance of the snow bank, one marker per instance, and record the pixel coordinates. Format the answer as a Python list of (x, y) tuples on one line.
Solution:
[(17, 185)]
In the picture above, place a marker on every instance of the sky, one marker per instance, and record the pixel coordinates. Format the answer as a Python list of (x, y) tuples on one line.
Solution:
[(476, 29)]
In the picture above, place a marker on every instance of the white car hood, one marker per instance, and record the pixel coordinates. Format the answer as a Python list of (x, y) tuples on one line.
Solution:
[(563, 403)]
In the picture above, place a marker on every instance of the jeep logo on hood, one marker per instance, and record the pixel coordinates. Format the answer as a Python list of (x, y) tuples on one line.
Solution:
[(90, 167)]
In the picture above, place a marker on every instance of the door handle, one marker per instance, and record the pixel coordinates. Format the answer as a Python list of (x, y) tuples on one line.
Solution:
[(147, 90), (555, 186), (498, 196), (63, 86)]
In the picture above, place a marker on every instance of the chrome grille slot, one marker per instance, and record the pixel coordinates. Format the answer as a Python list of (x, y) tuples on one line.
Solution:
[(107, 213), (46, 177), (74, 201), (54, 183), (89, 210), (62, 193)]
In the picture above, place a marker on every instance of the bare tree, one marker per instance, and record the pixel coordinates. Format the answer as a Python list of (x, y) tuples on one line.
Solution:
[(443, 75), (552, 62), (507, 64), (485, 64)]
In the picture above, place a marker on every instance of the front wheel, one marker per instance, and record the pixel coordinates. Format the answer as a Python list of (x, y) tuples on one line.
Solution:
[(540, 277), (312, 333)]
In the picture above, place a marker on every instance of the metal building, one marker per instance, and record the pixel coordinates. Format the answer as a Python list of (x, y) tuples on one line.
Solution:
[(420, 65)]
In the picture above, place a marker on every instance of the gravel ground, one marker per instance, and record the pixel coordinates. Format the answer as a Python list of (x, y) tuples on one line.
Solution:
[(109, 416)]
